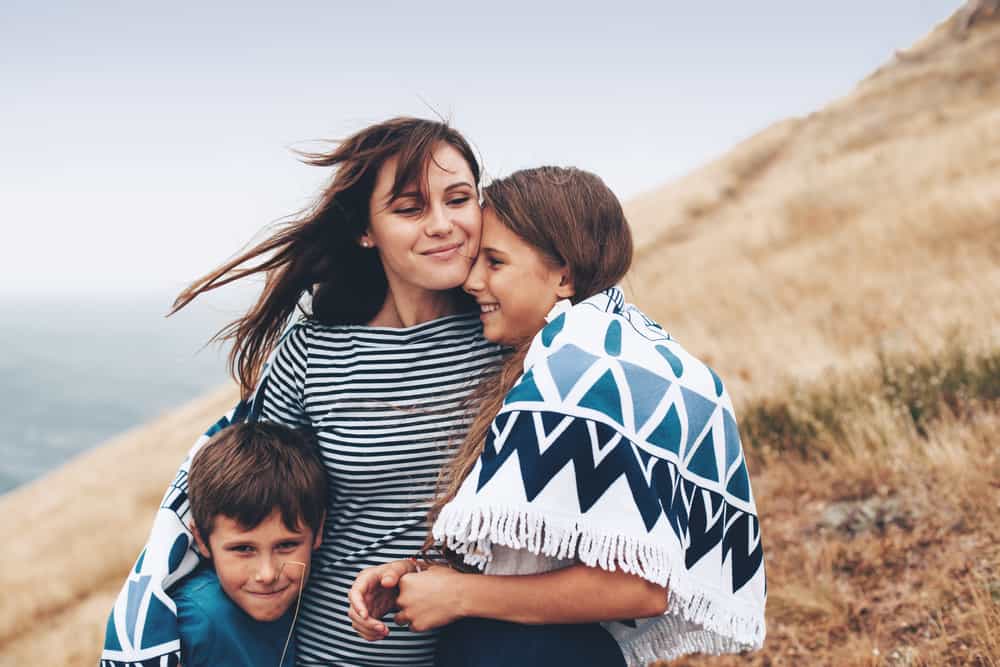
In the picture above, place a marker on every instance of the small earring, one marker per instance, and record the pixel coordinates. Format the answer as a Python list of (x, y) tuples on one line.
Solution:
[(366, 244)]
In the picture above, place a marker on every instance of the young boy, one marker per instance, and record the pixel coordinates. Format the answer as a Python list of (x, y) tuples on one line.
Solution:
[(258, 499)]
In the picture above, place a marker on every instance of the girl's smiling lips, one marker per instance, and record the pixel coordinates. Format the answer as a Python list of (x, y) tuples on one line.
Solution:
[(444, 251)]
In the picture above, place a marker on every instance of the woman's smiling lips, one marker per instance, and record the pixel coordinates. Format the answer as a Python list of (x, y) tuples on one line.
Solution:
[(444, 251)]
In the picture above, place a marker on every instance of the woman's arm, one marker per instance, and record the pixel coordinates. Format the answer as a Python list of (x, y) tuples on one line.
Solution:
[(576, 594)]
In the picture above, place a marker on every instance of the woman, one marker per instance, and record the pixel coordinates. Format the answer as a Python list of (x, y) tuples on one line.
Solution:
[(602, 477), (378, 369)]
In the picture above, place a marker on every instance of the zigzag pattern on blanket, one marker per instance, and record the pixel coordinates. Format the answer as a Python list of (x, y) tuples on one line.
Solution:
[(657, 487)]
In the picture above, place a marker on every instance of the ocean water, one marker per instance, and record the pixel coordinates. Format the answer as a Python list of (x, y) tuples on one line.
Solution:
[(76, 371)]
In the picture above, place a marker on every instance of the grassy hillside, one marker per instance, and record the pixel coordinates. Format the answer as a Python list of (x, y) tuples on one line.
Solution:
[(842, 272), (870, 224)]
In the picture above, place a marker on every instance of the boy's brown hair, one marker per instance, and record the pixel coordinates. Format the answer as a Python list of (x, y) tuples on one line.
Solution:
[(246, 471)]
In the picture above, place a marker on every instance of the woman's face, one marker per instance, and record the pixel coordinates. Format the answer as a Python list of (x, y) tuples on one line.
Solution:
[(426, 244), (513, 283)]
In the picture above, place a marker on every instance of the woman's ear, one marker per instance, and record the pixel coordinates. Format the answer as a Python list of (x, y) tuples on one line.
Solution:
[(565, 289), (200, 545)]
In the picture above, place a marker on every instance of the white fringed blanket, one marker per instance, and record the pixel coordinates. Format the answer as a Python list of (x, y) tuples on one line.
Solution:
[(619, 449)]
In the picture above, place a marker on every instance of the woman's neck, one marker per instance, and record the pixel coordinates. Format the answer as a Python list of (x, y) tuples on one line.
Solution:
[(414, 307)]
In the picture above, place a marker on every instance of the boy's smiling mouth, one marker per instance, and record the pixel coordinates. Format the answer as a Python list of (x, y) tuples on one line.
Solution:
[(268, 594)]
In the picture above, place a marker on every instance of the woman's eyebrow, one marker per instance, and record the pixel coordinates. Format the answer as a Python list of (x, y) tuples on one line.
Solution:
[(459, 184), (409, 194), (491, 249)]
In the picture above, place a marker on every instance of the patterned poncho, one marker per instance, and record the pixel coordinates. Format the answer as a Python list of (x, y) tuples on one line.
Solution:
[(619, 449)]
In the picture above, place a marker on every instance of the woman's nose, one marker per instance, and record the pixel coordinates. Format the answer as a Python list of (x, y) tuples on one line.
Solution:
[(440, 223)]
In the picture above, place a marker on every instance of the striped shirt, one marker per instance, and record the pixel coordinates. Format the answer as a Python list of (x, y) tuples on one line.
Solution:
[(386, 407)]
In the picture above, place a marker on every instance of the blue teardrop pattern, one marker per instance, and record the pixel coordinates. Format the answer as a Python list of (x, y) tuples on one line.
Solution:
[(613, 339), (675, 363), (717, 380)]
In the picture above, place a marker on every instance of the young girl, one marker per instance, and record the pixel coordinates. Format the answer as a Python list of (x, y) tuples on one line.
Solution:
[(378, 369), (603, 477)]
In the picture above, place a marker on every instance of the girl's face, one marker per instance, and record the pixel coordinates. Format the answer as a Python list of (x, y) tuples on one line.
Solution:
[(514, 284), (426, 244)]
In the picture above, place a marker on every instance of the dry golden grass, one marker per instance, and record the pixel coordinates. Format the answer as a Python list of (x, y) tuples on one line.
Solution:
[(874, 222), (74, 534), (879, 541), (871, 226)]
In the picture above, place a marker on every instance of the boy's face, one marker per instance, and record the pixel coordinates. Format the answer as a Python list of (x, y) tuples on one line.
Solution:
[(249, 563)]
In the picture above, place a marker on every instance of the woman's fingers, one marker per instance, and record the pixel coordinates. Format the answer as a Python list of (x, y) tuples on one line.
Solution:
[(394, 571), (370, 628), (362, 588)]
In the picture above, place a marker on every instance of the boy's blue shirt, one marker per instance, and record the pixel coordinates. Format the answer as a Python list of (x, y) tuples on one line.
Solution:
[(215, 631)]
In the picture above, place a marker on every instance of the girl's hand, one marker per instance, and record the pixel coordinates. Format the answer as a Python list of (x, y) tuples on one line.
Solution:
[(430, 599), (373, 595)]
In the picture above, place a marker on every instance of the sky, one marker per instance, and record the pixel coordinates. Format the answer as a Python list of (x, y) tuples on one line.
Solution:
[(142, 144)]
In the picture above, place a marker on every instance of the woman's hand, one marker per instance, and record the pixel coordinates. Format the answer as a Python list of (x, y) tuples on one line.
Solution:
[(431, 599), (373, 595)]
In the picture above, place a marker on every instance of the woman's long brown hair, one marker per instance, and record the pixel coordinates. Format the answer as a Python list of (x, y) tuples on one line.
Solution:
[(572, 219), (318, 251)]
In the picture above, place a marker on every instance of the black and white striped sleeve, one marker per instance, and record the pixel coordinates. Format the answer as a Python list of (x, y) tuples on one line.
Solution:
[(286, 378)]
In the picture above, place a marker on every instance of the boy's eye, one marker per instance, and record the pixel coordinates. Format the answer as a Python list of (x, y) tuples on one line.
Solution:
[(242, 548), (289, 546)]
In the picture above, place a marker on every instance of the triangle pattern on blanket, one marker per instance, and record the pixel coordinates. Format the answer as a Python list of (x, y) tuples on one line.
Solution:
[(567, 365), (136, 591), (739, 483), (646, 389), (732, 439), (160, 625), (668, 434), (702, 461), (526, 390), (604, 397), (699, 410)]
